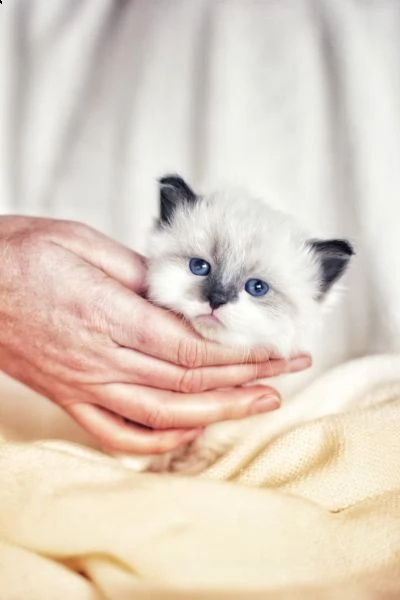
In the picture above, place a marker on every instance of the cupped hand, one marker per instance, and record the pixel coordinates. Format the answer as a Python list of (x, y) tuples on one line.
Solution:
[(76, 328)]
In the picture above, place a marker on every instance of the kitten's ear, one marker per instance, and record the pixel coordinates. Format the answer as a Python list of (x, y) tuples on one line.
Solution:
[(334, 257), (174, 191)]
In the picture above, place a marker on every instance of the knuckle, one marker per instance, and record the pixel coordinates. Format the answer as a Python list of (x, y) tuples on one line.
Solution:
[(237, 409), (78, 363), (191, 381), (157, 418), (191, 353), (143, 332), (232, 413)]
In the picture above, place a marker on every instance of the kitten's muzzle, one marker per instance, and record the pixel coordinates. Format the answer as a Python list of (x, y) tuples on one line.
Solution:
[(217, 299), (217, 295)]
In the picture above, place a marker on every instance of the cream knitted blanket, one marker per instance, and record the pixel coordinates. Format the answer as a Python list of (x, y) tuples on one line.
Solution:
[(308, 506)]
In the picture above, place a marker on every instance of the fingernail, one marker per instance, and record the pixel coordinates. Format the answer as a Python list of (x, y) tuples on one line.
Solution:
[(265, 404), (299, 363)]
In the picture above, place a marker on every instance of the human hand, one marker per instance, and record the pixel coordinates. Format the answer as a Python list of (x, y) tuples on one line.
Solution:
[(75, 328)]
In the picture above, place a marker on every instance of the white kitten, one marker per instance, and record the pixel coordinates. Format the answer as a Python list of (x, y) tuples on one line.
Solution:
[(242, 274)]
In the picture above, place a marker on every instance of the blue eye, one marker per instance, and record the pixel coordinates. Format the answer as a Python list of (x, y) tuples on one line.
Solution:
[(198, 266), (256, 287)]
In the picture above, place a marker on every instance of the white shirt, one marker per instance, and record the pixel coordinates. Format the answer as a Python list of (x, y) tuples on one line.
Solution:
[(298, 101)]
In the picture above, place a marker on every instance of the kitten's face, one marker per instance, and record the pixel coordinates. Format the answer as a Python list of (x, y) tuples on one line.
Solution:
[(240, 272)]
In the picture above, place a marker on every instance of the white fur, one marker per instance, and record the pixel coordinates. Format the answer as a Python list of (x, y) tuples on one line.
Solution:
[(258, 242), (254, 241)]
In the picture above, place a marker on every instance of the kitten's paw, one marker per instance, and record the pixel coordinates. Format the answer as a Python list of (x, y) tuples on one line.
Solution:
[(200, 455), (196, 457), (162, 463), (188, 460)]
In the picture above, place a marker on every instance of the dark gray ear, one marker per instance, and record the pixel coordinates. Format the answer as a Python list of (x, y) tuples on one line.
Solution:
[(174, 191), (334, 256)]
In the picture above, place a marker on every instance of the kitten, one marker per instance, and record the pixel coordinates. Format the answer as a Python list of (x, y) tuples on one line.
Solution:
[(242, 274)]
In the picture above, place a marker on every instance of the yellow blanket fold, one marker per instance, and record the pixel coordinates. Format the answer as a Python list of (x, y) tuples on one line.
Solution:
[(312, 512)]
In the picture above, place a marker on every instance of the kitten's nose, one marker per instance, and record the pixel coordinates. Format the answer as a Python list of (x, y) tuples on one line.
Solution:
[(216, 299)]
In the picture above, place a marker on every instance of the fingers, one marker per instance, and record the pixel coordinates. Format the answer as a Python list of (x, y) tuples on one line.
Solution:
[(173, 419), (159, 409), (115, 434), (156, 332), (146, 370)]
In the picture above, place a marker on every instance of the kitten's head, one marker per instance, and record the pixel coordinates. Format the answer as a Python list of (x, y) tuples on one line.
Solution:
[(240, 272)]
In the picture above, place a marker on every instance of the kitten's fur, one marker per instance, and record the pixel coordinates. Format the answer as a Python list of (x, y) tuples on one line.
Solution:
[(241, 238)]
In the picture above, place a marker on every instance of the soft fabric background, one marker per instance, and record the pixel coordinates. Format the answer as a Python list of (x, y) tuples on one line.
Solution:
[(307, 507), (296, 99)]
